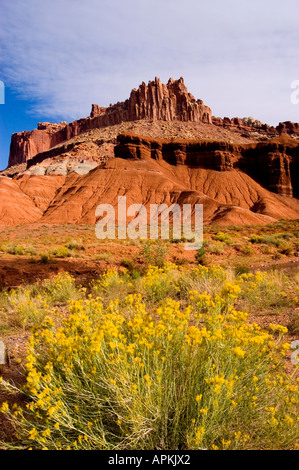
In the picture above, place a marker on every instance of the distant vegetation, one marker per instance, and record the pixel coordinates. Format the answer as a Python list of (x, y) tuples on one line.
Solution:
[(229, 246)]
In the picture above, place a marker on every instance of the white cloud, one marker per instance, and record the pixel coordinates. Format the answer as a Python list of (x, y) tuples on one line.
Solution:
[(239, 57)]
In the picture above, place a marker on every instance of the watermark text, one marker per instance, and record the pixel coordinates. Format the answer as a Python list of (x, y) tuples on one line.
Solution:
[(162, 221), (295, 93), (2, 92)]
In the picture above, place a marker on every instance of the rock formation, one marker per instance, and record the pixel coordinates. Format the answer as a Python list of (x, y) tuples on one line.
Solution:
[(273, 164), (161, 145), (155, 101), (288, 127), (237, 183), (152, 102), (25, 145), (248, 124)]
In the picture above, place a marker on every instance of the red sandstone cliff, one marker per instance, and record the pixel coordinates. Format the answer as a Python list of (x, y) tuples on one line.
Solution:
[(24, 145), (274, 164), (154, 101)]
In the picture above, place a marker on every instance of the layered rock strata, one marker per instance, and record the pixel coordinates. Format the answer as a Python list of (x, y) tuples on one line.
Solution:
[(273, 164), (154, 101)]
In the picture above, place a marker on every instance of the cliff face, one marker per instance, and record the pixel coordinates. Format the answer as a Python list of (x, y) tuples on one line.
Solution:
[(235, 181), (220, 156), (24, 145), (273, 164), (288, 127), (155, 101), (250, 124)]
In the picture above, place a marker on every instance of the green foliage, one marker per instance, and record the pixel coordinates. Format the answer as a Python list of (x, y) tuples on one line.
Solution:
[(286, 248), (75, 245), (200, 255), (154, 253), (246, 250), (256, 239), (44, 258), (61, 252), (223, 237), (216, 248), (241, 269), (60, 288), (169, 365)]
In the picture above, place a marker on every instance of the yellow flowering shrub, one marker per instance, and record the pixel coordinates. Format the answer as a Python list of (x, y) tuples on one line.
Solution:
[(29, 311), (158, 283), (154, 371), (262, 290), (60, 288), (112, 284)]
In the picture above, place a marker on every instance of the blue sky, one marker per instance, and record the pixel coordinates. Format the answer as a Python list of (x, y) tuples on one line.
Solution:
[(58, 57)]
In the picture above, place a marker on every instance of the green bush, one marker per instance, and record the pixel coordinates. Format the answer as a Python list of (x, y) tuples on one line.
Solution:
[(61, 252), (60, 288), (75, 245), (246, 250), (285, 235), (286, 249), (223, 237), (154, 253), (166, 361), (216, 248), (14, 249), (44, 258), (256, 239), (200, 256), (269, 239)]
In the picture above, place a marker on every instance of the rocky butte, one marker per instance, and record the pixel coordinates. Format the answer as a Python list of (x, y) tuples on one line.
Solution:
[(161, 145), (155, 101)]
